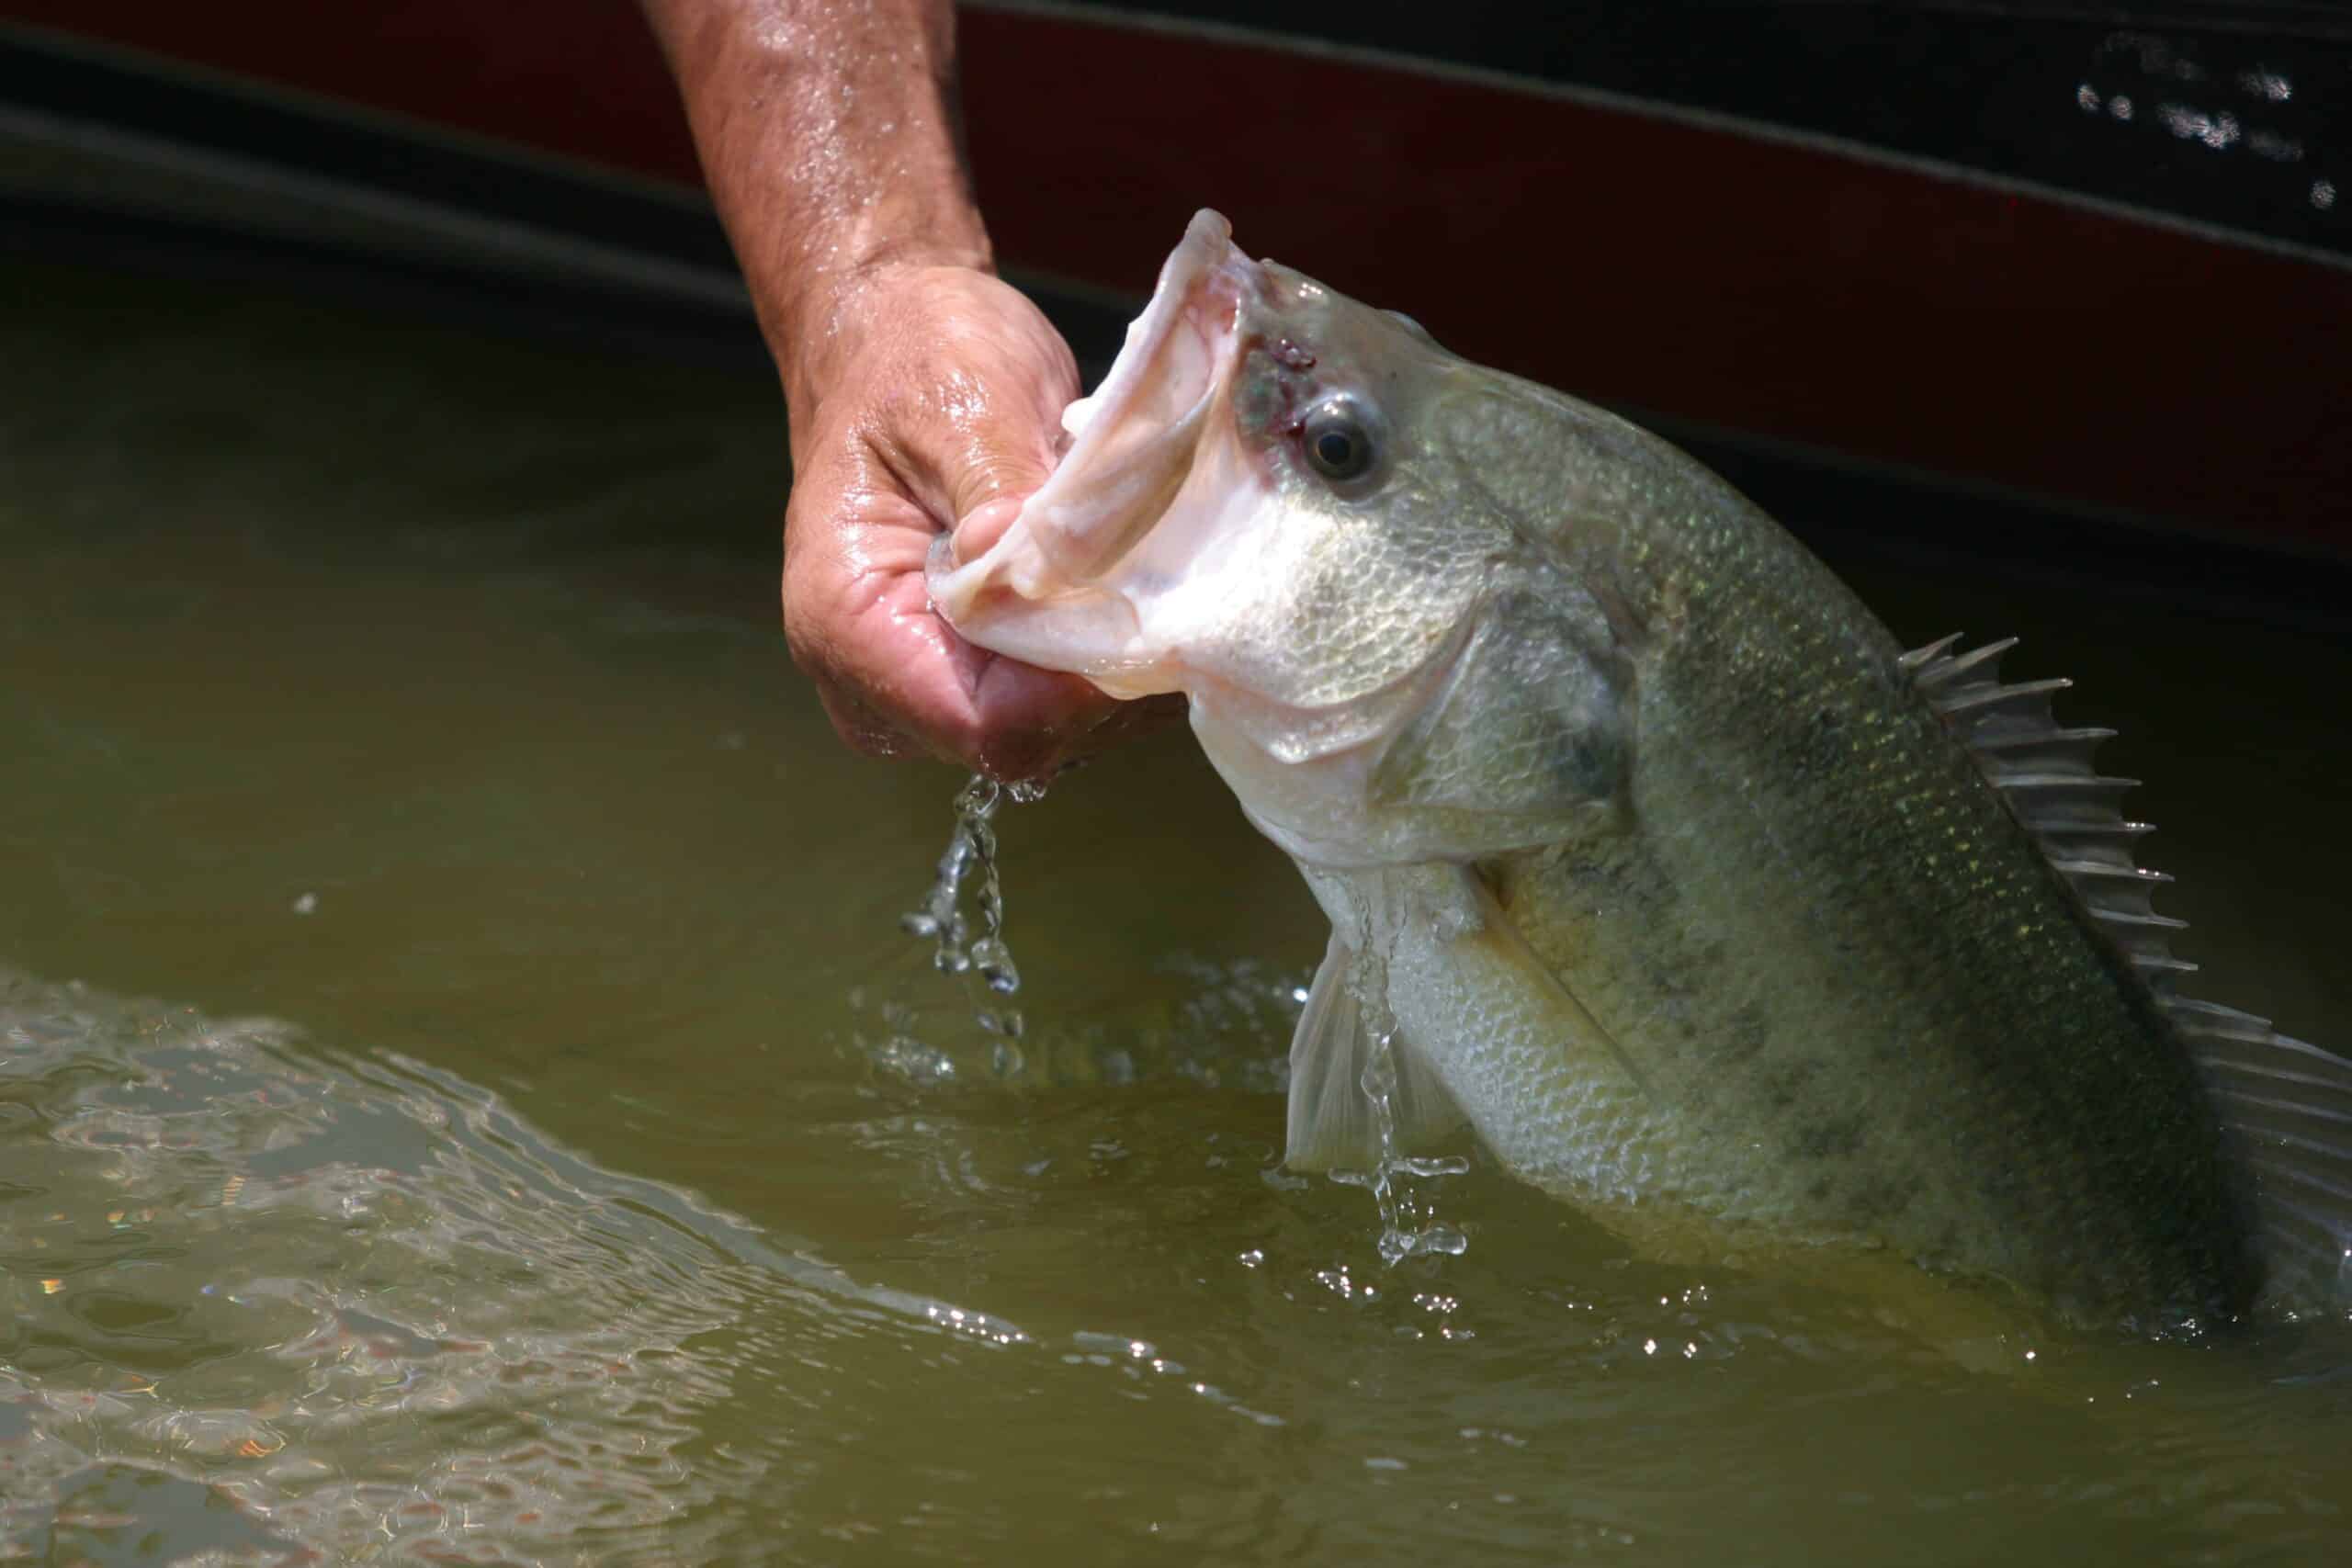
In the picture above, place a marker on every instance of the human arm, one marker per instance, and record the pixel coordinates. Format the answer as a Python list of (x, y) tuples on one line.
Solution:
[(924, 392)]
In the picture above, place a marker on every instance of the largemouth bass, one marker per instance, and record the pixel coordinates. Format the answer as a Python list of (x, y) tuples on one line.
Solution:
[(1647, 849)]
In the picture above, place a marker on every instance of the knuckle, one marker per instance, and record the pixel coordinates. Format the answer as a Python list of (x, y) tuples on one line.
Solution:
[(860, 728), (1015, 754)]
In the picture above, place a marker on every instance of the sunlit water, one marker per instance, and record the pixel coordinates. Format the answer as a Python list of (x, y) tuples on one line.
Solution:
[(466, 1093)]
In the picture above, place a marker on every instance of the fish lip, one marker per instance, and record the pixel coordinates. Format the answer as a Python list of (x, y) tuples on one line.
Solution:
[(1064, 537), (1200, 286)]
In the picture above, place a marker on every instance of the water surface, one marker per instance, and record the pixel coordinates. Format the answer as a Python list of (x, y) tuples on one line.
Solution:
[(464, 1095)]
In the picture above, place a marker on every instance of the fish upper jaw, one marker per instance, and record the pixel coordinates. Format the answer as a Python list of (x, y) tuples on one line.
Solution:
[(1050, 591)]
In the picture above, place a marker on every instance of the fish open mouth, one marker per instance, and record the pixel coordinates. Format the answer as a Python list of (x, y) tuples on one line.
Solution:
[(1133, 445)]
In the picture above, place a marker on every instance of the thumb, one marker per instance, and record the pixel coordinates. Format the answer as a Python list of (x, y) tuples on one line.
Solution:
[(1010, 435), (981, 527), (1002, 459)]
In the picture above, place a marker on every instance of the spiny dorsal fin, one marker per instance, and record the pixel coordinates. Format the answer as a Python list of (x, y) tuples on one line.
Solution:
[(2046, 775), (2286, 1104)]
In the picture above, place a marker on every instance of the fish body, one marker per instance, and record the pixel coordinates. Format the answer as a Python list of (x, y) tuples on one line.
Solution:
[(1647, 850)]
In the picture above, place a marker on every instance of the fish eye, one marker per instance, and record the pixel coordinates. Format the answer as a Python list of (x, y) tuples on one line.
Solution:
[(1338, 446)]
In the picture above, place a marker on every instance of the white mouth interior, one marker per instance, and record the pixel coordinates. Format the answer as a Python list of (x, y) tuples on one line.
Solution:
[(1131, 449)]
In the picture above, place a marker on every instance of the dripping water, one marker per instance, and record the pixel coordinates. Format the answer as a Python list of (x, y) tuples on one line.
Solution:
[(963, 914), (1408, 1226)]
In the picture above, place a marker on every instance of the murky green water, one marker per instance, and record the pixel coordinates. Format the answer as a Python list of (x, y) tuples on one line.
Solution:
[(465, 1094)]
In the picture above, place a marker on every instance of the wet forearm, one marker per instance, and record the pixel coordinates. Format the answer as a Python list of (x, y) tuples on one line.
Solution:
[(828, 136)]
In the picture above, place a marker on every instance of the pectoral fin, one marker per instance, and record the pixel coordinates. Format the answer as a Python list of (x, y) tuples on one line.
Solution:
[(1333, 1122), (1530, 721)]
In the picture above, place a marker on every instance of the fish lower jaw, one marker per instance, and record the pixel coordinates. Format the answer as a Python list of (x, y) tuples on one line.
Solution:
[(1313, 810), (1086, 633)]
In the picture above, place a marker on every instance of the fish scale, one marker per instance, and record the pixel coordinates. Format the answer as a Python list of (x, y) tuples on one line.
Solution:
[(1709, 908), (1907, 1056)]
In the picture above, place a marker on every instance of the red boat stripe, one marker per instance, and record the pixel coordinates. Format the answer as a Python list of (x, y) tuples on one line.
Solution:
[(1759, 284)]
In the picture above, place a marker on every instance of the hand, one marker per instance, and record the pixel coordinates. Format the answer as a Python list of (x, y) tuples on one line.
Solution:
[(924, 393), (923, 397)]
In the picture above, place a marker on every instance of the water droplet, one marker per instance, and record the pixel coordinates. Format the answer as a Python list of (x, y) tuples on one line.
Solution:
[(1406, 1227), (914, 1060), (994, 962), (971, 940)]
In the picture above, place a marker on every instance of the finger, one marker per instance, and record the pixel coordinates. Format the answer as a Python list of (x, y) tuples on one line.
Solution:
[(981, 527), (862, 728), (1127, 720), (1008, 438), (1032, 720), (896, 679)]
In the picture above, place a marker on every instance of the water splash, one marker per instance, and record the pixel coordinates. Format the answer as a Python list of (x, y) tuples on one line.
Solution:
[(971, 941)]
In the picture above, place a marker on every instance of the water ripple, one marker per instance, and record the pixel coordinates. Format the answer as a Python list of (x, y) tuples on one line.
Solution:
[(361, 1298)]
